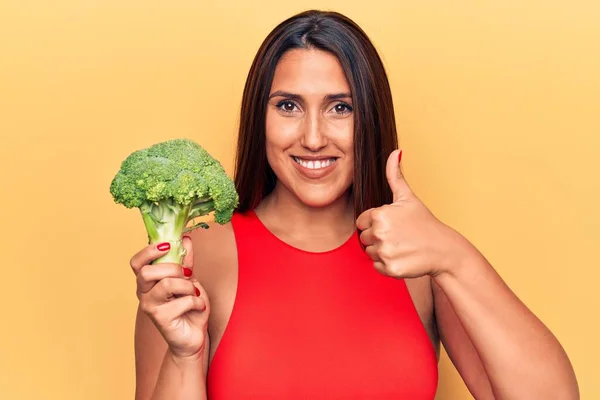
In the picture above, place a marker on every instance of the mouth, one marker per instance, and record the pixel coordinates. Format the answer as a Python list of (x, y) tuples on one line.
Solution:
[(315, 164)]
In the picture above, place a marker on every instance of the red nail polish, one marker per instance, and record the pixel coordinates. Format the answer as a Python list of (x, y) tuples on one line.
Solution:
[(400, 156), (186, 236), (197, 292), (187, 272), (164, 246)]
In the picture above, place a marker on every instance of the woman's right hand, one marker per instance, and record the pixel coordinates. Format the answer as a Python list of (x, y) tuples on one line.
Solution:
[(173, 299)]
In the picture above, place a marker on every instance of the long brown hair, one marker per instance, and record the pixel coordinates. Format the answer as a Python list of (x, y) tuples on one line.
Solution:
[(375, 134)]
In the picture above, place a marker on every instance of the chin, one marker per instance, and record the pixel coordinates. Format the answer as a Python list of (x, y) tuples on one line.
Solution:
[(318, 200)]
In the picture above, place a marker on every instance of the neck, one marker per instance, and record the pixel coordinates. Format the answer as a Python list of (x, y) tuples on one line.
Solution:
[(282, 208)]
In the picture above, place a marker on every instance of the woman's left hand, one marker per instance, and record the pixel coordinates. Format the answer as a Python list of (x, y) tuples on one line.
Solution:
[(404, 239)]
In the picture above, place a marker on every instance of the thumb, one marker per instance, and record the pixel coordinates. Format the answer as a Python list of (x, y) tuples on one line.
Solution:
[(395, 178), (188, 252)]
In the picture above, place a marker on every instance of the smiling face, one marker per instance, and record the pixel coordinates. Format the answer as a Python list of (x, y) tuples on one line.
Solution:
[(310, 127)]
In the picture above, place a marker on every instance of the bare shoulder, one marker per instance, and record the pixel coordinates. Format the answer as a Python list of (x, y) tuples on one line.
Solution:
[(421, 292), (215, 253), (215, 268)]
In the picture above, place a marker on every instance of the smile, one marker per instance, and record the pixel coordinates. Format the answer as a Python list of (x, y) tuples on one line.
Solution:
[(315, 164)]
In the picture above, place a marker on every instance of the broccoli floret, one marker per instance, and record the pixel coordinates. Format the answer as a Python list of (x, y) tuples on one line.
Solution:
[(172, 183)]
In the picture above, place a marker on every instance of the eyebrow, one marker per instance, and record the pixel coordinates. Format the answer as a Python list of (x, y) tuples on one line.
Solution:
[(294, 96)]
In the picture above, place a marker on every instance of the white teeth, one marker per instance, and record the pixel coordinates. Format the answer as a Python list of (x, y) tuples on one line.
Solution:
[(318, 164)]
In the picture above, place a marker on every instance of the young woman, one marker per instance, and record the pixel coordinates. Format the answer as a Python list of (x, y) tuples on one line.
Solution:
[(333, 280)]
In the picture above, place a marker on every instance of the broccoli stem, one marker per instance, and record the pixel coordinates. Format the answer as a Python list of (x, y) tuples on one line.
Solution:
[(202, 207), (165, 221)]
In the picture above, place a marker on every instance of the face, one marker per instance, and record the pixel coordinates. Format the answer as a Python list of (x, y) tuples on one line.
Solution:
[(309, 127)]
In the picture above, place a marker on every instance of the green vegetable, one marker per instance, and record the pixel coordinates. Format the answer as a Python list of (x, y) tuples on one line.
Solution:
[(172, 183)]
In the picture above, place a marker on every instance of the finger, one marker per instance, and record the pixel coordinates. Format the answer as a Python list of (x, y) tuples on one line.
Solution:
[(188, 258), (372, 253), (380, 266), (394, 175), (178, 307), (364, 220), (148, 254), (367, 237), (149, 275), (171, 288)]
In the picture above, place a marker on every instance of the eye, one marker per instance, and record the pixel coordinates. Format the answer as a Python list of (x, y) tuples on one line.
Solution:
[(342, 108), (287, 106)]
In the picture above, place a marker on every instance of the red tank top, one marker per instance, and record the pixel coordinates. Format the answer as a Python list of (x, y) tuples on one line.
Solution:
[(318, 326)]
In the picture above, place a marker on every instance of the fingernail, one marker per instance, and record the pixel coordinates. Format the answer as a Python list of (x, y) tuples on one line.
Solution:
[(164, 246), (197, 292), (186, 236), (187, 272), (400, 156)]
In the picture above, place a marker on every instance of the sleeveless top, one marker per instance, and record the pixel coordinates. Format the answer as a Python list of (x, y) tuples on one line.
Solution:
[(318, 326)]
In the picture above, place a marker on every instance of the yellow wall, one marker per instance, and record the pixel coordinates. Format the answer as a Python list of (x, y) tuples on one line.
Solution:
[(498, 112)]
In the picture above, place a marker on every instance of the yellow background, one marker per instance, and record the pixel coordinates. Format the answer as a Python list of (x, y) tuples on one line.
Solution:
[(498, 112)]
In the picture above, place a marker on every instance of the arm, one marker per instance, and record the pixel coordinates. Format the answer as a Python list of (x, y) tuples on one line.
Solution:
[(459, 347), (157, 371), (500, 348), (159, 374), (171, 339)]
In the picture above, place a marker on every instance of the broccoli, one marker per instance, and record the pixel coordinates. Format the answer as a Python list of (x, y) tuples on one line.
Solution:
[(172, 183)]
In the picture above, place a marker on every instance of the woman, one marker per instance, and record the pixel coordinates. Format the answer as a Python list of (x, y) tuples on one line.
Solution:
[(332, 280)]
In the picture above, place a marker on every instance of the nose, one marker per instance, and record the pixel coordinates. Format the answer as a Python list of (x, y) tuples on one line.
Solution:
[(313, 137)]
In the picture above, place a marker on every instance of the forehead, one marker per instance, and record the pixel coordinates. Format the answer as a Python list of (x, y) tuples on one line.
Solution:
[(309, 71)]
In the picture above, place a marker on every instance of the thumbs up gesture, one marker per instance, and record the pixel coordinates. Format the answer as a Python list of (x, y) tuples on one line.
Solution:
[(404, 239)]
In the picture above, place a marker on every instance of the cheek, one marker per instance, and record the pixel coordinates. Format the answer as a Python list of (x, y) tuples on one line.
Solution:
[(281, 132), (341, 132), (345, 142), (279, 136)]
